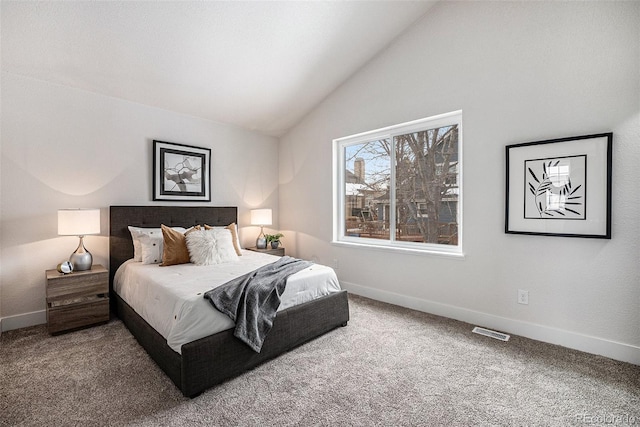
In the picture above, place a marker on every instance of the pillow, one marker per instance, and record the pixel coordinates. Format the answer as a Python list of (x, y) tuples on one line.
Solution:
[(151, 248), (175, 246), (234, 236), (213, 246), (138, 232)]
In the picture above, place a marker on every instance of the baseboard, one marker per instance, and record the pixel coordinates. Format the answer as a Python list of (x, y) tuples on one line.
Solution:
[(23, 320), (594, 345)]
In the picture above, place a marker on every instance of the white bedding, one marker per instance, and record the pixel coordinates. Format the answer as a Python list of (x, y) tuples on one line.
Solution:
[(171, 298)]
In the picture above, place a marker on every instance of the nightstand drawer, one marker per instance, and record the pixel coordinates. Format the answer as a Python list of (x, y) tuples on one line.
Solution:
[(76, 285), (55, 294), (67, 317)]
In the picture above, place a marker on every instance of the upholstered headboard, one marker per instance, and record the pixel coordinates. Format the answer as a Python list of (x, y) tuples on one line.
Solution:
[(120, 217)]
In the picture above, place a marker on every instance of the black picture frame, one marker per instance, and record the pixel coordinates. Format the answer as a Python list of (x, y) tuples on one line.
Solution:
[(181, 172), (560, 187)]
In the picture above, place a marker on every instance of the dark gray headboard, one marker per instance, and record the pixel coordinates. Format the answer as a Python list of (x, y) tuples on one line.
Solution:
[(120, 217)]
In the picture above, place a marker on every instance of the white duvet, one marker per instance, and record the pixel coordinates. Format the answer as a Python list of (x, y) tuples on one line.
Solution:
[(171, 298)]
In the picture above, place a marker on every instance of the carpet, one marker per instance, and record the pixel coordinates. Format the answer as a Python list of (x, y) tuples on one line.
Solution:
[(390, 366)]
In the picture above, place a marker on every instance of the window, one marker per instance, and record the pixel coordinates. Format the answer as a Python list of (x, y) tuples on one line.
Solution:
[(400, 186)]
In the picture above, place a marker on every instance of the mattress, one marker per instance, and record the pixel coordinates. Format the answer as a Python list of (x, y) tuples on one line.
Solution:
[(171, 298)]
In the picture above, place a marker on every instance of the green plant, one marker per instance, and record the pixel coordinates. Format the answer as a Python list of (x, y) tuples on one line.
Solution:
[(273, 237)]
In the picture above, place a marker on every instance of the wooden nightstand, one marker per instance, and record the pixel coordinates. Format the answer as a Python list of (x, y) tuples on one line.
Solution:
[(277, 252), (77, 299)]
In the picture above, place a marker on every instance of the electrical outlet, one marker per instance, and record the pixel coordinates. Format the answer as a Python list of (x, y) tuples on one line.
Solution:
[(523, 297), (336, 264)]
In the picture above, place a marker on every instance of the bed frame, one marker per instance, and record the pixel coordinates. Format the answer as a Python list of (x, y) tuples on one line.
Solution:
[(216, 358)]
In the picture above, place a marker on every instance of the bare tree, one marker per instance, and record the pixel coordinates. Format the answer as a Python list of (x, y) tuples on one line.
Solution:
[(425, 167), (425, 163)]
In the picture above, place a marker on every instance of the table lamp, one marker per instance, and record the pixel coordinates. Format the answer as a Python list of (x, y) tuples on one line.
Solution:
[(79, 222), (261, 217)]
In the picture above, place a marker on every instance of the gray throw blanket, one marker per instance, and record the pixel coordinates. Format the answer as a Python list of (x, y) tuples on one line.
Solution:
[(252, 300)]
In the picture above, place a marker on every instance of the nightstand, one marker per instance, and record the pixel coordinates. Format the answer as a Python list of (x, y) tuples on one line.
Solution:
[(268, 250), (77, 299)]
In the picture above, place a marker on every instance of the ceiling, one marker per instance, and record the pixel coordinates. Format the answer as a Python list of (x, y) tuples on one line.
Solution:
[(257, 65)]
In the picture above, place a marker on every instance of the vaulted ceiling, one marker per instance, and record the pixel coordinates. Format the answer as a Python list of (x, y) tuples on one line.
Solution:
[(257, 65)]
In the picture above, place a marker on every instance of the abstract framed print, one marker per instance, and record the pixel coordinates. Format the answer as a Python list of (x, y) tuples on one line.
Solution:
[(560, 187), (181, 172)]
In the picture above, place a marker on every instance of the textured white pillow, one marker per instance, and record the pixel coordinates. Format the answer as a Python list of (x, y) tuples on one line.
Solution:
[(138, 232), (233, 227), (214, 246)]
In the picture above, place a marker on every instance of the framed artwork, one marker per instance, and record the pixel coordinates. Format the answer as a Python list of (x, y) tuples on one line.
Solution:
[(181, 172), (560, 187)]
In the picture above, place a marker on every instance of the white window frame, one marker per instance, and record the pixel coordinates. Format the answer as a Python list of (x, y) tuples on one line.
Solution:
[(339, 196)]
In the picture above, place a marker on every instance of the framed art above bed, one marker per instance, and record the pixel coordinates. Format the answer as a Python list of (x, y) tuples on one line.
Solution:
[(181, 172)]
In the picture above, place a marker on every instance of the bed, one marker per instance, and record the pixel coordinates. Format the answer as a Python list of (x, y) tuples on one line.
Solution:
[(213, 359)]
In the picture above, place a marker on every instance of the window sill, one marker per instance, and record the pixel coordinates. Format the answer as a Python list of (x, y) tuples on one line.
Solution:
[(399, 250)]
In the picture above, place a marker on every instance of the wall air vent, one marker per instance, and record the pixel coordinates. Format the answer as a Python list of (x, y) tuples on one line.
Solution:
[(492, 334)]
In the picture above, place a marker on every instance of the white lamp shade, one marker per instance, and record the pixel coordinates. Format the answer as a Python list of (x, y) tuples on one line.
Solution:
[(78, 222), (261, 217)]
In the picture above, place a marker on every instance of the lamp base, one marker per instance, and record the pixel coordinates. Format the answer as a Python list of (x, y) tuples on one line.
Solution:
[(81, 259), (261, 243)]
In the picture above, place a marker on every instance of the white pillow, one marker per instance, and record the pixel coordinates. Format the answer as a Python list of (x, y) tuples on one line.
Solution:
[(234, 235), (213, 246), (151, 248), (138, 232)]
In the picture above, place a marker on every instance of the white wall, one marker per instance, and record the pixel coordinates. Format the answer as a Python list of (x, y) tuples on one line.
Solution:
[(64, 148), (0, 200), (520, 71)]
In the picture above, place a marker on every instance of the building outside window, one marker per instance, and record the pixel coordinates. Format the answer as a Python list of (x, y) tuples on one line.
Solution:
[(400, 186)]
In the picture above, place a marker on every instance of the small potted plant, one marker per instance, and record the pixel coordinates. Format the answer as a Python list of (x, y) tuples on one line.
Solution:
[(274, 239)]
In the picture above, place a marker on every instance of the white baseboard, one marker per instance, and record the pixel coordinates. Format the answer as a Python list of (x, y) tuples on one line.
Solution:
[(23, 320), (614, 350)]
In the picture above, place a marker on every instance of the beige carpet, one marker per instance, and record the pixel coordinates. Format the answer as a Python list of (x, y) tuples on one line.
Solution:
[(390, 366)]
